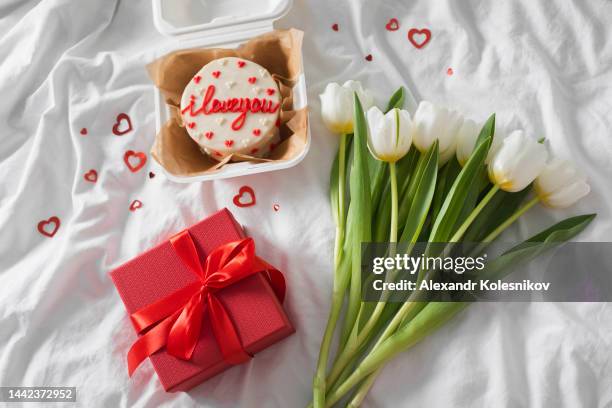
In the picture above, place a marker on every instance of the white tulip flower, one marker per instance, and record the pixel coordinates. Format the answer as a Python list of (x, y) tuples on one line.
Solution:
[(390, 134), (337, 105), (518, 162), (560, 184), (436, 123), (466, 142)]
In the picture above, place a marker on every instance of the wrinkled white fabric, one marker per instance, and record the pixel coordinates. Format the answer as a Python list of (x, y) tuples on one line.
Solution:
[(542, 66)]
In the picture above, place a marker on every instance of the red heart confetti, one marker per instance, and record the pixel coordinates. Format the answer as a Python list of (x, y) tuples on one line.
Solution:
[(276, 207), (256, 132), (216, 74), (419, 38), (450, 72), (84, 131), (270, 91), (245, 197), (134, 160), (229, 142), (392, 25), (136, 204), (49, 227), (123, 124), (209, 135), (151, 174), (241, 64), (91, 176), (191, 125), (197, 79), (368, 57), (335, 27), (252, 80)]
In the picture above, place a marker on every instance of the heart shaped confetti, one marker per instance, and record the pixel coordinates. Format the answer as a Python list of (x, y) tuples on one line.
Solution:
[(123, 124), (252, 80), (209, 135), (216, 74), (335, 27), (256, 132), (134, 160), (245, 197), (83, 131), (392, 25), (191, 125), (151, 174), (270, 91), (229, 143), (450, 72), (49, 227), (419, 37), (136, 204), (368, 57), (241, 64), (91, 176), (197, 79), (276, 207)]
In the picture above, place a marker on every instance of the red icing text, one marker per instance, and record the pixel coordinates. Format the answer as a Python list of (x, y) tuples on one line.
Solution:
[(211, 105)]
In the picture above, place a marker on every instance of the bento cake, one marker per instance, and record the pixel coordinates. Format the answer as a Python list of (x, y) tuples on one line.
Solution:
[(231, 106)]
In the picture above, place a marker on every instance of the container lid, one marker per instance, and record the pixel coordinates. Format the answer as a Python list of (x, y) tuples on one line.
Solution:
[(188, 19)]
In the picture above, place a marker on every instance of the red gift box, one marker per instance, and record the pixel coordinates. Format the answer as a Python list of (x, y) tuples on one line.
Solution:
[(251, 303)]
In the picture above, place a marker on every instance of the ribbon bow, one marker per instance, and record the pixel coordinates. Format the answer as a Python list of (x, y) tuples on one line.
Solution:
[(175, 321)]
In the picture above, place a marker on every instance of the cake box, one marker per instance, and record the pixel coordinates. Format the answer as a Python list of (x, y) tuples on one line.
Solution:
[(228, 24)]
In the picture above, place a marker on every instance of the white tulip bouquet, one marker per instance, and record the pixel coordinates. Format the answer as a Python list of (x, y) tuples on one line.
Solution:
[(434, 177)]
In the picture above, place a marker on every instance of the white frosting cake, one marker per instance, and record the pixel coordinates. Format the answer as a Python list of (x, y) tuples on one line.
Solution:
[(231, 106)]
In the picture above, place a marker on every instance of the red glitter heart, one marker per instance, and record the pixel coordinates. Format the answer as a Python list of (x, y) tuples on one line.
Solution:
[(392, 25), (245, 197), (419, 38), (216, 74), (241, 64), (209, 135), (197, 79), (449, 72), (276, 207), (136, 204), (151, 174), (335, 27), (191, 125), (123, 124), (129, 157), (84, 131), (229, 142), (270, 91), (256, 132), (252, 80), (368, 57), (43, 226), (91, 176)]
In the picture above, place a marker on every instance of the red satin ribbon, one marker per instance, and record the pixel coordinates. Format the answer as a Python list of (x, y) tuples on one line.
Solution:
[(175, 321)]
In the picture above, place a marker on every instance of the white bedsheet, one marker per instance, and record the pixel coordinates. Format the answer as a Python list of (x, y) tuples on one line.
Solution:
[(67, 65)]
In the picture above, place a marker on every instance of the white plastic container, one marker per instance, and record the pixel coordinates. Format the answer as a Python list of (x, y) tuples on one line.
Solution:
[(225, 24)]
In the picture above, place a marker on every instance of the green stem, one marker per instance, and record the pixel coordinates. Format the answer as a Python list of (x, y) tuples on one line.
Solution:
[(363, 390), (510, 220), (468, 221), (319, 384), (393, 176)]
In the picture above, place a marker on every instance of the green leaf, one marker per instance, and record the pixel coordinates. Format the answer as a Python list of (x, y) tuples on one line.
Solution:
[(451, 209), (448, 174), (397, 99), (423, 196), (334, 189), (360, 206), (501, 206)]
